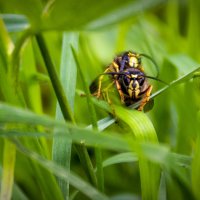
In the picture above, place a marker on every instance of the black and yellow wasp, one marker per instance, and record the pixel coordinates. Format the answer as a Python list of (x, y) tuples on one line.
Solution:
[(127, 74)]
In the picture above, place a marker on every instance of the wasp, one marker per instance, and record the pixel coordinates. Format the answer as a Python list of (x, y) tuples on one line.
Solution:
[(127, 74)]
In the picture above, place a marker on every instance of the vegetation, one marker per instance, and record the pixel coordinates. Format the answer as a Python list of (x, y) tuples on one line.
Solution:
[(59, 142)]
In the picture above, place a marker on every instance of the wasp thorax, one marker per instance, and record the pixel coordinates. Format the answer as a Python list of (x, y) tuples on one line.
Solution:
[(133, 61)]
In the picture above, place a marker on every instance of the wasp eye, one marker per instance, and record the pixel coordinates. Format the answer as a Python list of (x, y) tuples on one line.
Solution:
[(141, 80), (126, 80)]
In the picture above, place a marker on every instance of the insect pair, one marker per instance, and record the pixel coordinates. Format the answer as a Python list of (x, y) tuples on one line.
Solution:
[(127, 74)]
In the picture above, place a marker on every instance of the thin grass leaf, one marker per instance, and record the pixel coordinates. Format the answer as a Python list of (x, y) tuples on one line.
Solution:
[(124, 12), (58, 89), (31, 88), (18, 194), (183, 64), (8, 170), (68, 66), (15, 22), (193, 28), (195, 169), (162, 194), (103, 123), (61, 150), (11, 114), (98, 154), (120, 158)]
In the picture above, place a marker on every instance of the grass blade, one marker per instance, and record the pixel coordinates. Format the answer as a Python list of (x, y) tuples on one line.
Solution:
[(122, 13), (61, 150), (6, 88), (98, 154), (64, 105), (120, 158), (15, 22), (8, 170), (143, 130), (195, 169)]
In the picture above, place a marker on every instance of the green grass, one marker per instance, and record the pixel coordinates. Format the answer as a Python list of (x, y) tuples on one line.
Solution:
[(56, 143)]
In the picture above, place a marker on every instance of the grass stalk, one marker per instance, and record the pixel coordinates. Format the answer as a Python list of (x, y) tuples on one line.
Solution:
[(65, 108), (98, 153)]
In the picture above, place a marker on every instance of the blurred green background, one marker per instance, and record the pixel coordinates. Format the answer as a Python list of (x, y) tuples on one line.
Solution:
[(160, 156)]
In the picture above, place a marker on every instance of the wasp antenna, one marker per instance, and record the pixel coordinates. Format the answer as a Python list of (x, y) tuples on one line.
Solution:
[(152, 60), (157, 79), (123, 73), (113, 73)]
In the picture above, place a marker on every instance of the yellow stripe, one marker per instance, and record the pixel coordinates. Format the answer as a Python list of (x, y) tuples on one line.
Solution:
[(137, 90), (116, 66), (130, 89)]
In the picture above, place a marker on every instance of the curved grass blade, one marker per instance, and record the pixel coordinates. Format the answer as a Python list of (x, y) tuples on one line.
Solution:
[(143, 131), (120, 158)]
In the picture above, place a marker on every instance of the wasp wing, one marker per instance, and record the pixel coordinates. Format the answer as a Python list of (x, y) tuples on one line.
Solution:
[(149, 105)]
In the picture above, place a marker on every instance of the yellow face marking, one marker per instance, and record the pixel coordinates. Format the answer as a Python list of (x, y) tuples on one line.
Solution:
[(130, 89), (137, 89), (134, 76)]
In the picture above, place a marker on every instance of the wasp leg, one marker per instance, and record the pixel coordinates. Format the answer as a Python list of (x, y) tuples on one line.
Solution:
[(145, 98), (119, 89), (107, 98), (110, 85), (100, 83), (98, 94), (111, 68), (104, 91)]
